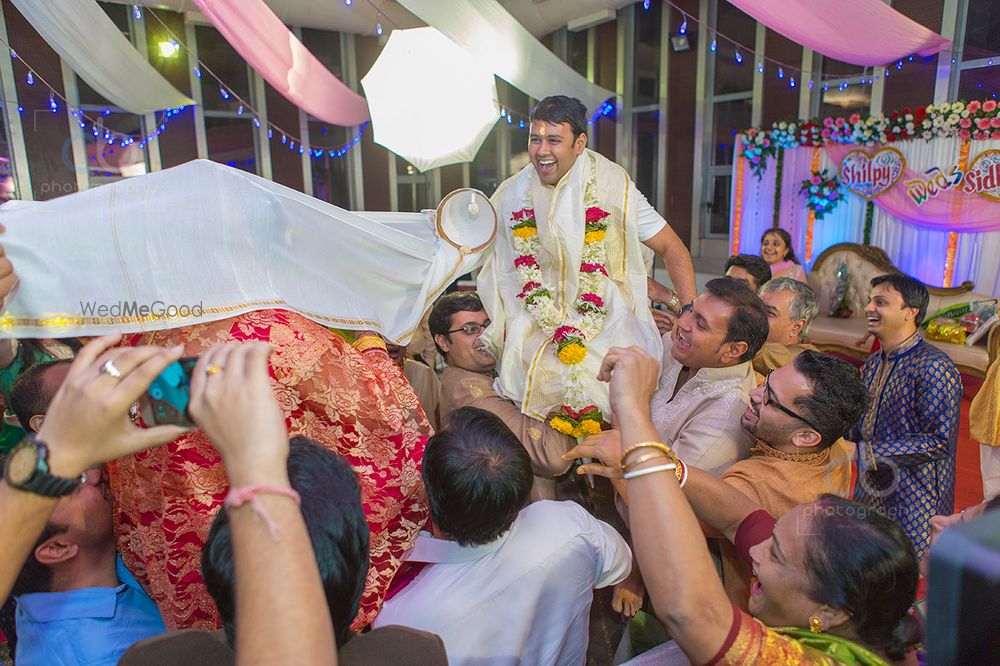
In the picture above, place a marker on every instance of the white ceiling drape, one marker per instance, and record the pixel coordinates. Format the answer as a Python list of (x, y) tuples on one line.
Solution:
[(489, 33), (95, 48)]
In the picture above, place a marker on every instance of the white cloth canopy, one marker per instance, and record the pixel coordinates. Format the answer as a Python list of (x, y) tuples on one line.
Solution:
[(489, 33), (203, 234), (95, 48)]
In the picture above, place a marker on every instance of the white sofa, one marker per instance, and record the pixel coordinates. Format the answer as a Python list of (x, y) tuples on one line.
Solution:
[(863, 263)]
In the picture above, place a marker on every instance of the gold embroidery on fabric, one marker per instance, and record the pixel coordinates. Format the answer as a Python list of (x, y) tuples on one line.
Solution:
[(476, 392)]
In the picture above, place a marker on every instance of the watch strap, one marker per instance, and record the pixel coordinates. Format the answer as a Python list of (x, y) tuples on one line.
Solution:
[(44, 483)]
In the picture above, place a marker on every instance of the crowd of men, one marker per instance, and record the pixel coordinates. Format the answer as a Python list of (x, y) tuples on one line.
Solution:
[(775, 500)]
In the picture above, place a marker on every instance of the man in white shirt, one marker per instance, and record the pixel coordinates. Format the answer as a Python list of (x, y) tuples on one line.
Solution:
[(504, 583)]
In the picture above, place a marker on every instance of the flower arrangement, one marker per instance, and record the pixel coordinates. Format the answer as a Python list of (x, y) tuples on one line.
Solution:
[(822, 191), (973, 121), (576, 417)]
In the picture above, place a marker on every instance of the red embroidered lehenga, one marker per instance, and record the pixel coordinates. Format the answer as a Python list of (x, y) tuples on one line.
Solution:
[(358, 405)]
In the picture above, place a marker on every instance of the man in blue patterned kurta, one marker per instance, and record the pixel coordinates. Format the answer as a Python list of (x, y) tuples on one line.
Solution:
[(906, 441)]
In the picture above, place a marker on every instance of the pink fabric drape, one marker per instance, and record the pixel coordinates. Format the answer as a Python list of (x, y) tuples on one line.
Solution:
[(951, 210), (274, 52), (862, 32)]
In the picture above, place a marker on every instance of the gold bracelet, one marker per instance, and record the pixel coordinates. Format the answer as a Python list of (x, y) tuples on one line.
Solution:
[(366, 342), (649, 456), (647, 445), (680, 469)]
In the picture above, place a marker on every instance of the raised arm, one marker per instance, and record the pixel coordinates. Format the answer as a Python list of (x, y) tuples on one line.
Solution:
[(675, 255), (86, 424), (678, 571), (281, 610)]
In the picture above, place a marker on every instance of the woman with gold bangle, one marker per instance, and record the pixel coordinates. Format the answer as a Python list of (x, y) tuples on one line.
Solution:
[(837, 578)]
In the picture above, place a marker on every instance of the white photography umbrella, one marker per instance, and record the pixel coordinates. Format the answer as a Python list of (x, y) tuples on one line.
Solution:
[(431, 102)]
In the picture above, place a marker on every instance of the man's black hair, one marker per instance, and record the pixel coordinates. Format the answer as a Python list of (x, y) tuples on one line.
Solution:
[(839, 397), (752, 264), (748, 321), (477, 476), (558, 109), (439, 321), (29, 395), (335, 520), (913, 291)]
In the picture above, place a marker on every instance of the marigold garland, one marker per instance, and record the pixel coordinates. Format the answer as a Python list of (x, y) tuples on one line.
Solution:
[(576, 418)]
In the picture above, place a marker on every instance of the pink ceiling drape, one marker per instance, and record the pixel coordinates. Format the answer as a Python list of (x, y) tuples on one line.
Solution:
[(861, 32), (274, 52)]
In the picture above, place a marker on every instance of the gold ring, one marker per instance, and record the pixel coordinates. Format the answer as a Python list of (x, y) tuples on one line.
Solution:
[(212, 369)]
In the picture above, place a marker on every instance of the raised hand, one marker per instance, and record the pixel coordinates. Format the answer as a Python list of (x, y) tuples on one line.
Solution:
[(87, 422), (232, 401), (632, 375)]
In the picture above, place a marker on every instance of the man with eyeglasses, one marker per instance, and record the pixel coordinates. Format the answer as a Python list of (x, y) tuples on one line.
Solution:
[(456, 323), (797, 418)]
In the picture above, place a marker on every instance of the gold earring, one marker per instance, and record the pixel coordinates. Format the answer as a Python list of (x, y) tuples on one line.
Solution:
[(815, 625)]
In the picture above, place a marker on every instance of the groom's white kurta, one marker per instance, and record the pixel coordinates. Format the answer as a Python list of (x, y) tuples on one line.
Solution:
[(530, 373)]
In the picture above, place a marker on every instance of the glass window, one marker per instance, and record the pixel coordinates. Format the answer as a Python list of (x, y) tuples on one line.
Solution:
[(729, 119), (646, 75), (231, 142), (780, 100), (854, 99), (413, 189), (718, 207), (483, 176), (517, 136), (108, 162), (8, 189), (644, 139), (730, 75), (219, 56), (329, 174), (982, 32), (576, 45), (979, 83), (325, 45)]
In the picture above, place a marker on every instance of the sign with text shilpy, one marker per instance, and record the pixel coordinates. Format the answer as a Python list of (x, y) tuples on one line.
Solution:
[(872, 174)]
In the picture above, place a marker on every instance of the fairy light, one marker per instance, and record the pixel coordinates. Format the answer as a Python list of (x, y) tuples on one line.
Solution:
[(684, 24), (739, 56)]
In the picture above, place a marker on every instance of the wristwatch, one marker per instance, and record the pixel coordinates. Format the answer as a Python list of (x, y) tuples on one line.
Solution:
[(674, 301), (27, 468)]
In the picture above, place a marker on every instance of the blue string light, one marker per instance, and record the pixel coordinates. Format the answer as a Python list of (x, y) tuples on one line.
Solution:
[(684, 24), (136, 12), (30, 79), (781, 73), (714, 46), (739, 57)]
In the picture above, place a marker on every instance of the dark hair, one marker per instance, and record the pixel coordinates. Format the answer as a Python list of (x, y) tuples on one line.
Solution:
[(335, 520), (915, 294), (863, 563), (558, 109), (439, 321), (786, 237), (748, 322), (752, 264), (28, 395), (35, 576), (839, 397), (477, 476)]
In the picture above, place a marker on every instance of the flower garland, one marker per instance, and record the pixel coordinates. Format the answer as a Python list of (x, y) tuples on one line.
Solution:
[(577, 417), (976, 121), (823, 192)]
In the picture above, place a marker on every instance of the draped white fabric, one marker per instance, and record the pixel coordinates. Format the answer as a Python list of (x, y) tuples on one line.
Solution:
[(919, 251), (95, 48), (487, 31), (203, 234)]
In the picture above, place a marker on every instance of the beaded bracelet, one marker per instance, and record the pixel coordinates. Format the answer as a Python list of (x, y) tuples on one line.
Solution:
[(650, 470)]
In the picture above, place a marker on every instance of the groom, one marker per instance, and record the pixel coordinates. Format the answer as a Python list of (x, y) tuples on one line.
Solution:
[(566, 279)]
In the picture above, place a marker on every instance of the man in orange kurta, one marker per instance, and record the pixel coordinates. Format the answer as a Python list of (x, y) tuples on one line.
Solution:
[(797, 457), (355, 403)]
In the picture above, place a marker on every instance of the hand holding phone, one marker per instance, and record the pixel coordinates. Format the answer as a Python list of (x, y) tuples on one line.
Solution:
[(166, 400)]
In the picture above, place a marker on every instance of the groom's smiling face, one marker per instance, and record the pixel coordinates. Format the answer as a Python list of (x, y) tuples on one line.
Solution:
[(553, 150)]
